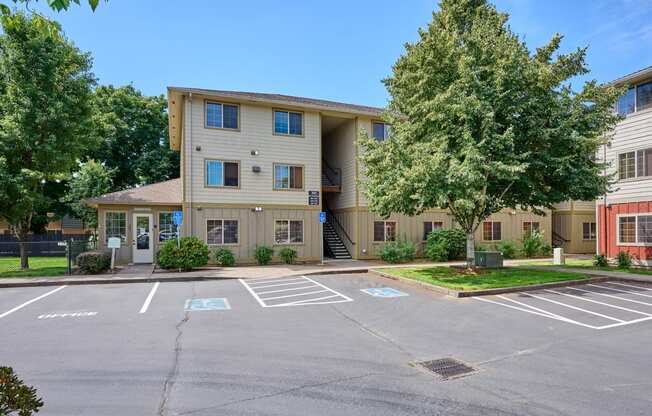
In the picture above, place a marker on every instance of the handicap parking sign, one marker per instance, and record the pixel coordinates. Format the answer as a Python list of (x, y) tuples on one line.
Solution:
[(384, 292), (177, 217), (209, 304)]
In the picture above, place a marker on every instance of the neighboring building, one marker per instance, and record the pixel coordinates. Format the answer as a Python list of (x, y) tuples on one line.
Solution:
[(60, 227), (574, 227), (626, 223), (256, 169)]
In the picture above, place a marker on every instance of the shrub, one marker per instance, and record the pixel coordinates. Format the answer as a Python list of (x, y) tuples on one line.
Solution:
[(443, 245), (398, 251), (546, 250), (263, 254), (532, 244), (93, 262), (508, 248), (288, 255), (624, 260), (224, 257), (600, 260), (15, 396), (191, 253), (480, 247)]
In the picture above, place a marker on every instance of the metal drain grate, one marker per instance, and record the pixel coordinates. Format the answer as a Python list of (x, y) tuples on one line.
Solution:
[(446, 367)]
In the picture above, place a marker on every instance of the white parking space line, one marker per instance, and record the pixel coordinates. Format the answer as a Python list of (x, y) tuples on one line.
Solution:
[(561, 318), (634, 286), (149, 298), (545, 315), (621, 290), (576, 308), (611, 296), (22, 305), (598, 302), (297, 288)]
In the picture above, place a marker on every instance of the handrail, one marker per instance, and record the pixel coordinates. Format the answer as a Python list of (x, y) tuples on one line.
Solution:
[(335, 221), (559, 237), (334, 175)]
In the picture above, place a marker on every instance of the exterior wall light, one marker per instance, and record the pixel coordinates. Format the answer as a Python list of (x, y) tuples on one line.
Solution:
[(257, 209)]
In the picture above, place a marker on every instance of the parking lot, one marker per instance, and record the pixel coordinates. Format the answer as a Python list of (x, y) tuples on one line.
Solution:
[(324, 345)]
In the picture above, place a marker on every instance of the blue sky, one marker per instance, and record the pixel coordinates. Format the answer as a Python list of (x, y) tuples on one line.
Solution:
[(336, 49)]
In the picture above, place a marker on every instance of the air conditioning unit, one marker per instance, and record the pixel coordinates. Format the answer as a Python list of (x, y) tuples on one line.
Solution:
[(255, 169)]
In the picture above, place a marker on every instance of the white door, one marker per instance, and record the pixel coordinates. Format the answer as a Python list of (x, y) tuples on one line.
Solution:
[(142, 243)]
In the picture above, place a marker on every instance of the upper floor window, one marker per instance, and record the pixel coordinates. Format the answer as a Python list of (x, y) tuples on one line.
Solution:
[(491, 231), (635, 164), (288, 177), (636, 99), (288, 123), (221, 115), (381, 131), (430, 226), (222, 173)]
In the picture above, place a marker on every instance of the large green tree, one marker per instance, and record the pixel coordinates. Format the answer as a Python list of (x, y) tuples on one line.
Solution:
[(90, 180), (132, 129), (57, 5), (45, 94), (480, 124)]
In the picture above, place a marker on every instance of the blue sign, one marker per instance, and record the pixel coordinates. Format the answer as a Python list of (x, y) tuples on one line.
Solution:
[(384, 292), (209, 304), (322, 217), (177, 217)]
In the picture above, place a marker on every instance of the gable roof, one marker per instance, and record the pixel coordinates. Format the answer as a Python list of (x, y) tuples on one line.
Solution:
[(161, 193), (640, 75)]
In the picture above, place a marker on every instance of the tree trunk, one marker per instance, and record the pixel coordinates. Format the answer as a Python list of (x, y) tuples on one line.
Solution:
[(24, 259), (470, 249)]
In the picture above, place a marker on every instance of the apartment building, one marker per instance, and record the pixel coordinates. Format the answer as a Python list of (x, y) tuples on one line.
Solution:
[(574, 227), (257, 169), (625, 214)]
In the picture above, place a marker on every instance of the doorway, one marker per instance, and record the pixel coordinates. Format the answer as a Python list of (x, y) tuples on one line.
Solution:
[(143, 250)]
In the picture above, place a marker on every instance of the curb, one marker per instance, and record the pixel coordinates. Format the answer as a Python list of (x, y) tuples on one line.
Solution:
[(486, 292)]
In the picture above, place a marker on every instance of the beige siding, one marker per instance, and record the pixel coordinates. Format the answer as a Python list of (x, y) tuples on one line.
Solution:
[(339, 151), (255, 134), (633, 133), (569, 226), (257, 228), (348, 222)]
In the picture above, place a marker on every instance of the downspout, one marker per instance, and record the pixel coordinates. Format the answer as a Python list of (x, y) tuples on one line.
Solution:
[(190, 165), (606, 218)]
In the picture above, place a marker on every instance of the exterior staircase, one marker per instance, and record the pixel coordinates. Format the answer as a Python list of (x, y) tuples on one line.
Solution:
[(333, 245)]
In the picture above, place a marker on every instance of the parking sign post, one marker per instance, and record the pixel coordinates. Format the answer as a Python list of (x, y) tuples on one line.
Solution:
[(177, 219), (322, 220)]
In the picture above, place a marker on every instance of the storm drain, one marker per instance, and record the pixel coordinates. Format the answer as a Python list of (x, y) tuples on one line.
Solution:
[(446, 367)]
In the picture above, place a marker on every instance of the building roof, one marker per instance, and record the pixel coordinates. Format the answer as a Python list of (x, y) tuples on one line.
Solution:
[(161, 193), (634, 77)]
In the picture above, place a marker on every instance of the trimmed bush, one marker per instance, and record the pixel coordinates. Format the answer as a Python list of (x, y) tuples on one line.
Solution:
[(532, 244), (508, 248), (93, 262), (288, 255), (191, 253), (480, 247), (224, 257), (624, 260), (263, 254), (600, 260), (546, 250), (398, 251), (444, 245), (16, 398)]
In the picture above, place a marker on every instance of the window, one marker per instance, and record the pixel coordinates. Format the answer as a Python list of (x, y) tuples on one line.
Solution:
[(644, 96), (288, 231), (430, 226), (384, 231), (166, 228), (530, 226), (221, 231), (381, 131), (588, 231), (116, 225), (222, 173), (627, 229), (491, 231), (627, 102), (288, 177), (288, 122), (221, 116), (635, 164)]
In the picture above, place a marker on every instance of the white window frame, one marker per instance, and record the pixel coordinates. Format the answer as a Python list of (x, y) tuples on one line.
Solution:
[(126, 237), (288, 241), (635, 88), (386, 130), (636, 242), (522, 227), (222, 243), (593, 230), (223, 162), (158, 226), (385, 240), (288, 112), (289, 166), (492, 230), (432, 226)]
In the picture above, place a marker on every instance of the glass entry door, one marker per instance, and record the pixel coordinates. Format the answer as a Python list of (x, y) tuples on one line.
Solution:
[(143, 249)]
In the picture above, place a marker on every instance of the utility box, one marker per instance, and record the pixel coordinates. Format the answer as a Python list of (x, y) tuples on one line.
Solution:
[(558, 256), (489, 259)]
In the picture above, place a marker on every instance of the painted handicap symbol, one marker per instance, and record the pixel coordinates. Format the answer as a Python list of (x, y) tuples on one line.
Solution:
[(384, 292), (208, 304)]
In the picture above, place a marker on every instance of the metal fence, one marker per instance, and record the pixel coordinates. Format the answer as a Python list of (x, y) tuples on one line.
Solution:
[(45, 256)]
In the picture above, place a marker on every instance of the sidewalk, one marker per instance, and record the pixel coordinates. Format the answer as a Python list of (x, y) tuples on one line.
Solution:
[(146, 273), (598, 273)]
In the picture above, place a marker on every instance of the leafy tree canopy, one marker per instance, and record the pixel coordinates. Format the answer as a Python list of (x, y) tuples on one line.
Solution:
[(480, 124), (57, 5), (91, 180)]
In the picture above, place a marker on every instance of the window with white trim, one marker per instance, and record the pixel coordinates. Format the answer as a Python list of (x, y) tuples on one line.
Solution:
[(288, 176), (384, 231), (491, 231), (635, 164), (288, 231), (430, 226), (381, 131), (289, 123), (627, 229), (221, 115), (221, 231), (115, 225), (588, 231), (529, 227), (166, 228), (636, 98)]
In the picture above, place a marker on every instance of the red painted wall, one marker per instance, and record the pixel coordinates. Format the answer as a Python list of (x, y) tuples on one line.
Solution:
[(611, 248)]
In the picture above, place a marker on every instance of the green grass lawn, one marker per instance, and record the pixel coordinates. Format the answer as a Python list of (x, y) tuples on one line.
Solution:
[(487, 279), (588, 264), (38, 266)]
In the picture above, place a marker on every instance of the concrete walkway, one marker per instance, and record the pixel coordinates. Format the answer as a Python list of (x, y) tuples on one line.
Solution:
[(597, 273), (146, 273)]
